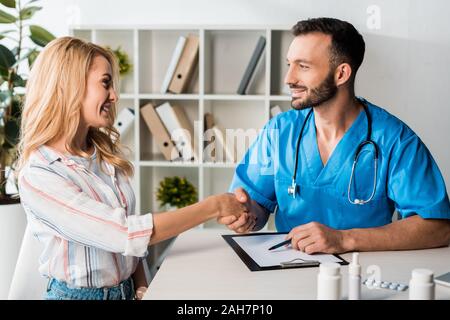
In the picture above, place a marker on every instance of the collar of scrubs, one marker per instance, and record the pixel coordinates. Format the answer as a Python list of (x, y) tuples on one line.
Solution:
[(345, 149)]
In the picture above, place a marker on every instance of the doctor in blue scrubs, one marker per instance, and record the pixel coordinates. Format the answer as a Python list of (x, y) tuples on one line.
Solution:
[(336, 167)]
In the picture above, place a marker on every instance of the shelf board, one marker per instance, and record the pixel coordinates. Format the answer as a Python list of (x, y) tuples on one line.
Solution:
[(186, 164), (177, 164), (163, 27), (168, 96), (219, 164), (281, 98), (127, 96), (234, 97)]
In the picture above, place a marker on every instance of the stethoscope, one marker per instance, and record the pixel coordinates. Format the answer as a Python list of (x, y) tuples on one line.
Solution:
[(292, 189)]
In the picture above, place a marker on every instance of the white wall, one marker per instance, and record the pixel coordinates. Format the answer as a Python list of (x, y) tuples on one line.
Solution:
[(407, 64)]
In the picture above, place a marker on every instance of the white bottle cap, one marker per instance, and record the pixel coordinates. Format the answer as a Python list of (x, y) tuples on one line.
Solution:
[(422, 275), (354, 268), (330, 268)]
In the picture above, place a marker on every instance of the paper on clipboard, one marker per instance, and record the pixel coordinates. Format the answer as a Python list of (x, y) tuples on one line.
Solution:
[(256, 246)]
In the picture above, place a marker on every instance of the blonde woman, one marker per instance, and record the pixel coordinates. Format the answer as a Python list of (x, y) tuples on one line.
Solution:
[(74, 181)]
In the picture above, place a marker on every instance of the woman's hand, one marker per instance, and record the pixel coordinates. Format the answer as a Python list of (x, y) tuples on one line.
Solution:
[(231, 209), (140, 292), (246, 222)]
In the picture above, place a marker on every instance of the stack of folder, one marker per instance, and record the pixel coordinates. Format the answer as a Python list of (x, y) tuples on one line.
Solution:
[(217, 148), (124, 120), (252, 65), (182, 65), (172, 131)]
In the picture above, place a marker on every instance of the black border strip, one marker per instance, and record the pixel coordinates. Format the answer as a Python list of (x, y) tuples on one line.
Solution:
[(250, 263)]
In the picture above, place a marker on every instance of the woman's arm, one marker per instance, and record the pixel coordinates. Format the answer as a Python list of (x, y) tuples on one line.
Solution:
[(57, 201), (169, 224)]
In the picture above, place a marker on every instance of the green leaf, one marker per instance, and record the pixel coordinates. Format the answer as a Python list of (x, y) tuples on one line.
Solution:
[(14, 51), (6, 145), (12, 132), (18, 81), (5, 97), (40, 36), (28, 12), (7, 60), (6, 17), (16, 109), (3, 33), (32, 55), (8, 3)]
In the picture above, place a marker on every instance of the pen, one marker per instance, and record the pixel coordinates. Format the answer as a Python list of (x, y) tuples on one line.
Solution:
[(280, 244)]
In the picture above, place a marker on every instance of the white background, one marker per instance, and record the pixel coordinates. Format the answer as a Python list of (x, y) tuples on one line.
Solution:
[(406, 68)]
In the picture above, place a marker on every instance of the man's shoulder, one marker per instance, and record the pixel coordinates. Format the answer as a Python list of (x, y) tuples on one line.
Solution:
[(387, 125), (287, 118)]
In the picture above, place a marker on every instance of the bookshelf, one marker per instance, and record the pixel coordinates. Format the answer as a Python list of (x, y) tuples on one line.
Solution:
[(224, 52)]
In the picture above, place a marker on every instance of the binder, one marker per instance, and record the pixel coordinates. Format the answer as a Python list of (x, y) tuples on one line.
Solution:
[(159, 132), (209, 121), (180, 129), (186, 65), (124, 120), (223, 152), (208, 124), (275, 110), (173, 63), (251, 67), (252, 264)]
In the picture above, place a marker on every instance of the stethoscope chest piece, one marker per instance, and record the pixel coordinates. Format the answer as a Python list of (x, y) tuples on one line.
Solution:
[(292, 189)]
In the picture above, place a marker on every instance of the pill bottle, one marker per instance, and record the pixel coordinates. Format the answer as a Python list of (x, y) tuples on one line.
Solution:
[(421, 285), (329, 281)]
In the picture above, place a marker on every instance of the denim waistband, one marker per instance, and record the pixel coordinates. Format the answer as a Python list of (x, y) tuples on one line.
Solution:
[(60, 290)]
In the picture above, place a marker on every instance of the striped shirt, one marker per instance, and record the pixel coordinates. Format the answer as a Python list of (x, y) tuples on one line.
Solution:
[(91, 235)]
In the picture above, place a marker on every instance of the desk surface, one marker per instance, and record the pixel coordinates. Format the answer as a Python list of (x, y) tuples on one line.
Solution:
[(201, 265)]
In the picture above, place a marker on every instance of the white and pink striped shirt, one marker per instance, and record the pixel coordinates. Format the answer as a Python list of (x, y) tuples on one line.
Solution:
[(91, 235)]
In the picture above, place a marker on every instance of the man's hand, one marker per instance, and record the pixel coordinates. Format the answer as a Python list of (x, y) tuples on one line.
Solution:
[(246, 221), (314, 237)]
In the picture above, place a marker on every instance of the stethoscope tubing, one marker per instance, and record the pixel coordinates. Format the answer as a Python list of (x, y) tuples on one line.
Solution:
[(293, 188)]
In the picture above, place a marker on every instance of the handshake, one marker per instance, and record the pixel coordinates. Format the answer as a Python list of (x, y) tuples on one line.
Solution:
[(235, 210)]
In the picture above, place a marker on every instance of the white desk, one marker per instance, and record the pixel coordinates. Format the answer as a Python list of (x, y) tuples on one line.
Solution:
[(201, 265)]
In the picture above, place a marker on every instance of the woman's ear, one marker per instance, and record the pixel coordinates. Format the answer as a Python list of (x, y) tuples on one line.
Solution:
[(343, 74)]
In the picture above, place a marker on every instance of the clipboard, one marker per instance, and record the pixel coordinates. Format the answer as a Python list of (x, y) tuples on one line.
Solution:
[(254, 266)]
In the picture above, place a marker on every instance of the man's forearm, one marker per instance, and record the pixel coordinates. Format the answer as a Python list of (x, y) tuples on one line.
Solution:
[(406, 234)]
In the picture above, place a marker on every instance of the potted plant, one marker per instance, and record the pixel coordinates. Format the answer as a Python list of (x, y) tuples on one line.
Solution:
[(15, 54), (125, 65), (176, 192)]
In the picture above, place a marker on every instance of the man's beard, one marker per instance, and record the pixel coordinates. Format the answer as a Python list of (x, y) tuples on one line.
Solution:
[(323, 92)]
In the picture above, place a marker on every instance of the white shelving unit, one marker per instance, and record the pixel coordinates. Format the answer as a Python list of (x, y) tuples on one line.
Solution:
[(224, 54)]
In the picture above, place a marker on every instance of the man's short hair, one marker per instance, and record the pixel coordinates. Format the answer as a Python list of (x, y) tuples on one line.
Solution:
[(347, 44)]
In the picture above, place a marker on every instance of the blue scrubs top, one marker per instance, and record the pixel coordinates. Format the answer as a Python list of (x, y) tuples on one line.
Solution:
[(408, 179)]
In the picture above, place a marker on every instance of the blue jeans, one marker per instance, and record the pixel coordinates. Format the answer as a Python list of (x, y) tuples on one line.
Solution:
[(58, 290)]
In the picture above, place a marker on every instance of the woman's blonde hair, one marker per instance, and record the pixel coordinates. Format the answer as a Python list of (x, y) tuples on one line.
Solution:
[(53, 100)]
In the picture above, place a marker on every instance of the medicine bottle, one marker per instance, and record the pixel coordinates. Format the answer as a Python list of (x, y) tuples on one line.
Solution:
[(421, 285), (354, 278), (329, 281)]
